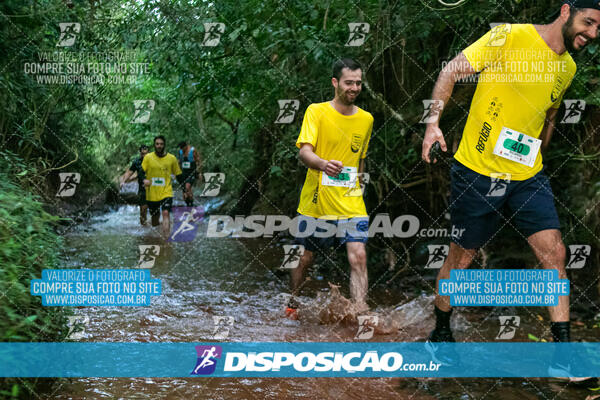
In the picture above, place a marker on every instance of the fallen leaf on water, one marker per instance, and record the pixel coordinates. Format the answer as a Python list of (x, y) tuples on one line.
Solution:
[(532, 337)]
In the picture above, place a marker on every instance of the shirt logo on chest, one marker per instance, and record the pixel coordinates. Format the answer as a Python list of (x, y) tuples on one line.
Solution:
[(356, 142)]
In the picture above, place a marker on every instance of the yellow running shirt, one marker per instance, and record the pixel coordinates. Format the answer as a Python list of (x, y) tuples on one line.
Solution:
[(520, 79), (158, 172), (334, 136)]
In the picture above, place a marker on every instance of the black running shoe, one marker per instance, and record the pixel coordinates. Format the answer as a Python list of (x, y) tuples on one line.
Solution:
[(440, 353)]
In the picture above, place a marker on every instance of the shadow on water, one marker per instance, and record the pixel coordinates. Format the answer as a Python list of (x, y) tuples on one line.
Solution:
[(210, 277)]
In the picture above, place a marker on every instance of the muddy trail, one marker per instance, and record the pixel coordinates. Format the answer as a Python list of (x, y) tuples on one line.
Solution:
[(236, 283)]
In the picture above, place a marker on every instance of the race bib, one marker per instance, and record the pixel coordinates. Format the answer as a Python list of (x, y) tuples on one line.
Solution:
[(346, 178), (517, 146), (185, 164), (158, 181)]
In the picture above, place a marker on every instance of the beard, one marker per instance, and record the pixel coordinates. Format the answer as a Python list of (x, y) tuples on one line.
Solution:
[(345, 98), (569, 35)]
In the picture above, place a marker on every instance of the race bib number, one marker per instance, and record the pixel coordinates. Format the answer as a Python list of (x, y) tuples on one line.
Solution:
[(158, 181), (185, 164), (346, 178), (517, 146)]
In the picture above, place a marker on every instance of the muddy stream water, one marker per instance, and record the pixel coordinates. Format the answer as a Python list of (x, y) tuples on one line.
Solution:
[(237, 278)]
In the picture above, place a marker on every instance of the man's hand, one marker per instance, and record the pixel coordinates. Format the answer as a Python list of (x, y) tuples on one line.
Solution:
[(146, 183), (333, 167), (311, 160), (458, 68), (433, 134)]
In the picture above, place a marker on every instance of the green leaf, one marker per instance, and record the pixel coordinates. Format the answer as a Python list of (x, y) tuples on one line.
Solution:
[(275, 170), (532, 337), (30, 319)]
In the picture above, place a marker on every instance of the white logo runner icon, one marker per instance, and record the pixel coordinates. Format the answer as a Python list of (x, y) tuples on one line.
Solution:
[(206, 362), (187, 218)]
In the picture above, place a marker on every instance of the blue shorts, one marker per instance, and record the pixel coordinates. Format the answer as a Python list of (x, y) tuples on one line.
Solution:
[(477, 202), (320, 234)]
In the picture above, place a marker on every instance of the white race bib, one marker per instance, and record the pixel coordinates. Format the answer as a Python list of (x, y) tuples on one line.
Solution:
[(517, 146), (158, 181), (346, 178), (185, 164)]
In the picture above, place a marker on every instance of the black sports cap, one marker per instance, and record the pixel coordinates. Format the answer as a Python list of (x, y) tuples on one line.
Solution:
[(182, 144), (577, 4), (144, 147), (595, 4)]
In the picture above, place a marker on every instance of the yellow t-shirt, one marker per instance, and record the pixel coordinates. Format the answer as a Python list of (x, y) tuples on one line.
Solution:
[(520, 79), (158, 171), (334, 136)]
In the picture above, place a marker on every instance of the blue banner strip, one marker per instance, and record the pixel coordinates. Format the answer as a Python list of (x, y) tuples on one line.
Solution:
[(301, 359)]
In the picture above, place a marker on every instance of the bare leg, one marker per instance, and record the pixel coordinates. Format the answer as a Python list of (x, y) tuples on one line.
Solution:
[(143, 214), (357, 257), (297, 274), (550, 251), (458, 258), (155, 217), (187, 193), (166, 223)]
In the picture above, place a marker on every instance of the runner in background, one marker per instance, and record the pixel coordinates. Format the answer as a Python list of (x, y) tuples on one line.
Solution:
[(190, 164), (159, 166), (136, 168)]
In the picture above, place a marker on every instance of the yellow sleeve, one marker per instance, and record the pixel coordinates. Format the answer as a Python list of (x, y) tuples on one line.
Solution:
[(367, 140), (558, 101), (489, 48), (145, 164), (175, 167), (310, 128)]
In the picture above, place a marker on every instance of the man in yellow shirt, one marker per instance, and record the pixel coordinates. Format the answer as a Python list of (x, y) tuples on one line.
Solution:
[(524, 71), (333, 144), (159, 166)]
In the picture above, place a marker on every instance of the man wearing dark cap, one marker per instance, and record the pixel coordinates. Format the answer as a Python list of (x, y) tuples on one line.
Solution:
[(524, 71), (136, 167)]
